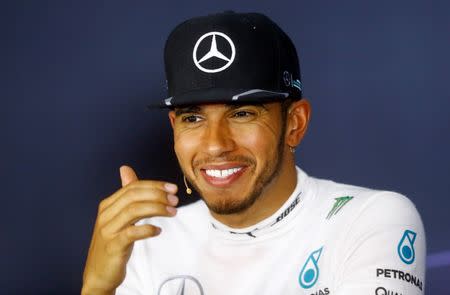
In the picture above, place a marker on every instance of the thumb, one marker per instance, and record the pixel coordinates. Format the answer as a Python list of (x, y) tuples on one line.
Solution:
[(127, 175)]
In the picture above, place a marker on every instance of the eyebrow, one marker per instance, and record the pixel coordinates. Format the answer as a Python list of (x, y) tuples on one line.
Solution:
[(188, 109), (231, 106)]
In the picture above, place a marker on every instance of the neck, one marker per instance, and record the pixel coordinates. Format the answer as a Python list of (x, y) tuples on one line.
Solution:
[(270, 200)]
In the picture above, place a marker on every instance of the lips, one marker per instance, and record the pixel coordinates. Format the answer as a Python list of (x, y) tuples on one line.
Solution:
[(224, 175)]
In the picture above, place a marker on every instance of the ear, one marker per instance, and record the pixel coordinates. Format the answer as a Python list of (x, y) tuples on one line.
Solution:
[(297, 121), (172, 118)]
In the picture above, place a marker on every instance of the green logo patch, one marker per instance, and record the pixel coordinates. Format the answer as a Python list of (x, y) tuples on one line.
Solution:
[(340, 202)]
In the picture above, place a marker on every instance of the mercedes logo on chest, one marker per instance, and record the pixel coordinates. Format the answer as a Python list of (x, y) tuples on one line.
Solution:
[(180, 285), (219, 53)]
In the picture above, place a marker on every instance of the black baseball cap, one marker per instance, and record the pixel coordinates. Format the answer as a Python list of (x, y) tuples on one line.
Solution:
[(229, 58)]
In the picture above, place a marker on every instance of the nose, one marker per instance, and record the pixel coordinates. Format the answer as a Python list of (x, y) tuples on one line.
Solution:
[(218, 138)]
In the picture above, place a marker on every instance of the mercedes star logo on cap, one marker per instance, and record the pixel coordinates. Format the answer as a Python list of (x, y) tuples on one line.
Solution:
[(213, 52)]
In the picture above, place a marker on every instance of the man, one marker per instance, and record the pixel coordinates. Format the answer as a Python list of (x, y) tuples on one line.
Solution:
[(263, 225)]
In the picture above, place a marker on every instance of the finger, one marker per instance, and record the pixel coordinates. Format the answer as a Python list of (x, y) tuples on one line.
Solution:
[(129, 235), (162, 185), (134, 212), (137, 195), (127, 175)]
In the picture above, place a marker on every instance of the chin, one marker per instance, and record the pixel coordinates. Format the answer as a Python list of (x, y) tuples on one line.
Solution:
[(225, 204)]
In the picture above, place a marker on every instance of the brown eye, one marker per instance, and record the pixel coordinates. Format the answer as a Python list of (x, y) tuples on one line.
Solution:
[(191, 119), (242, 114)]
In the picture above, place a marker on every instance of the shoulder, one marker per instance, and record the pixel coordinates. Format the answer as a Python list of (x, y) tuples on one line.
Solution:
[(360, 203), (369, 234)]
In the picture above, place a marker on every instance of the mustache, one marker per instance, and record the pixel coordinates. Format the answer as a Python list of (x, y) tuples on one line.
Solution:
[(213, 160)]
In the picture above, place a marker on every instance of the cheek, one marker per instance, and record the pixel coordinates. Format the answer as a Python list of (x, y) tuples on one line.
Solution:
[(259, 140), (186, 145)]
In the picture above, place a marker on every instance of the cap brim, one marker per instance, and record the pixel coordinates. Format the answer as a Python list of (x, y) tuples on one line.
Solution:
[(216, 95)]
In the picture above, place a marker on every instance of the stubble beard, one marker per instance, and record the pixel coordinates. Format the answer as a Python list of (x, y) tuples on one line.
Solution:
[(226, 206)]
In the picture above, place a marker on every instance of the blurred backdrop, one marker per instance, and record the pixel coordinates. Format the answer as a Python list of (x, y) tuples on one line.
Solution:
[(76, 76)]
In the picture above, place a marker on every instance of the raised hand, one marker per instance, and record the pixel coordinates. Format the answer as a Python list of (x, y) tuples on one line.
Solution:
[(115, 231)]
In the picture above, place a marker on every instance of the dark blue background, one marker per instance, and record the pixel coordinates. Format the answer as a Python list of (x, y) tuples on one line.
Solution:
[(76, 77)]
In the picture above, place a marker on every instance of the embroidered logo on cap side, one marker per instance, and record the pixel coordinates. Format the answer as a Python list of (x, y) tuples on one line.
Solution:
[(287, 78), (289, 81)]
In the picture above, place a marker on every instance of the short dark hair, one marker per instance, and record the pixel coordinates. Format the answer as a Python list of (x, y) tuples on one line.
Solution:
[(285, 104)]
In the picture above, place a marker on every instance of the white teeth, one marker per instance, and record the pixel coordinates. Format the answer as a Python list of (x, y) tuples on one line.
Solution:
[(222, 173)]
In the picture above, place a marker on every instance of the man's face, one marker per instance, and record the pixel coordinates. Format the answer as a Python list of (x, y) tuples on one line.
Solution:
[(229, 153)]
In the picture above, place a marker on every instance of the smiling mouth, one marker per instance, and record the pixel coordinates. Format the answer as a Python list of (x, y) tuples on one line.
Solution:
[(222, 173), (222, 177)]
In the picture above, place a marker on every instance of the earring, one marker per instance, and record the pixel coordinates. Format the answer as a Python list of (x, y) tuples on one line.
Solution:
[(292, 149), (188, 190)]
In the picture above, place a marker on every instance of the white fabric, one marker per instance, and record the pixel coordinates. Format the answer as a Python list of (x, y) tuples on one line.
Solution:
[(357, 250)]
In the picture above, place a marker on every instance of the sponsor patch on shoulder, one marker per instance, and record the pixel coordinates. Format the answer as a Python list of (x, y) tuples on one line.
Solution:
[(338, 205)]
